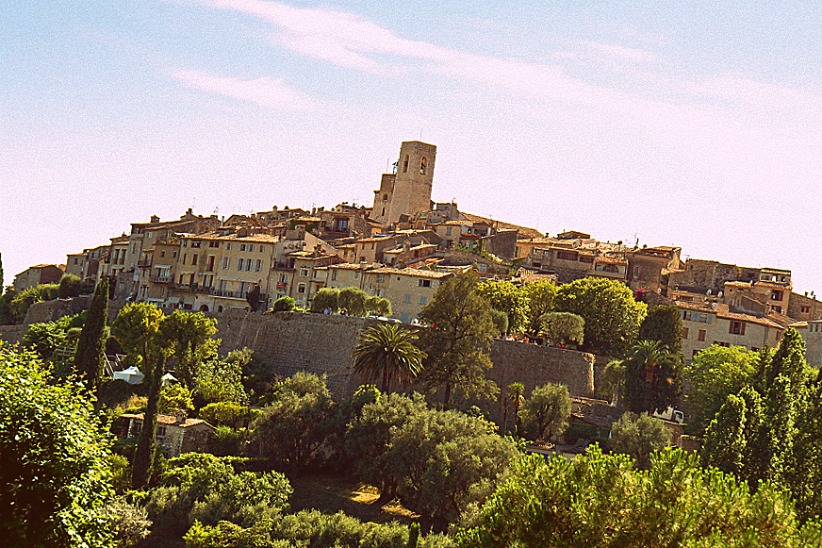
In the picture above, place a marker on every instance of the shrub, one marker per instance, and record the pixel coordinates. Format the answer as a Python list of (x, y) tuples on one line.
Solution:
[(284, 304)]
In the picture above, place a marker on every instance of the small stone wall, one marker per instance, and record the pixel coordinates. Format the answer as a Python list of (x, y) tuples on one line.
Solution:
[(12, 333)]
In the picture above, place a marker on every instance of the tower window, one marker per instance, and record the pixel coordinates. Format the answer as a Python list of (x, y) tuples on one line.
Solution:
[(405, 164), (385, 197), (423, 165)]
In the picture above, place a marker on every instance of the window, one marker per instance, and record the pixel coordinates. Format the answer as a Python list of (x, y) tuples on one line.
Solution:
[(637, 272), (701, 335), (194, 260), (240, 264), (720, 343), (407, 298), (148, 235), (301, 288), (334, 275), (242, 247), (195, 243), (776, 295), (405, 164), (303, 272), (423, 165), (423, 299), (248, 265), (684, 332), (737, 328), (161, 432), (225, 263), (448, 231), (228, 246), (162, 254), (357, 275), (777, 309), (259, 265), (566, 255), (805, 309), (261, 248), (424, 283), (380, 278), (213, 244)]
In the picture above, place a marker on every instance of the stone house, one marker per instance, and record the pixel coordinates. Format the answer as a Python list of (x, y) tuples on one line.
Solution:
[(175, 435), (38, 274), (704, 324)]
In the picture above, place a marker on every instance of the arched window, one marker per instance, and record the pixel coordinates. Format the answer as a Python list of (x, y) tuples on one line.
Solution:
[(405, 164), (423, 165)]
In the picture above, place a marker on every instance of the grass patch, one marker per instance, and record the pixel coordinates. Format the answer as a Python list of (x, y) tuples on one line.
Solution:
[(328, 493)]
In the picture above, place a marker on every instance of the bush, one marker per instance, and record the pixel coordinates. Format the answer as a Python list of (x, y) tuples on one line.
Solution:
[(545, 414), (352, 301), (284, 304), (326, 298), (225, 413), (22, 301), (175, 397), (227, 442), (70, 286), (639, 436)]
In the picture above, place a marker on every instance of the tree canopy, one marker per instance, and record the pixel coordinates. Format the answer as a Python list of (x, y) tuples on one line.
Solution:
[(603, 500), (510, 299), (714, 373), (458, 339), (612, 315), (55, 480)]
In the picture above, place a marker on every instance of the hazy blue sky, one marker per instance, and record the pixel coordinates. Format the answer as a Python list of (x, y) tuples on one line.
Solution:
[(690, 123)]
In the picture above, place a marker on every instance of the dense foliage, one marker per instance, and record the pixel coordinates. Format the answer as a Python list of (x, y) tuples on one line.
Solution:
[(600, 500), (612, 315), (458, 340), (55, 480), (715, 373)]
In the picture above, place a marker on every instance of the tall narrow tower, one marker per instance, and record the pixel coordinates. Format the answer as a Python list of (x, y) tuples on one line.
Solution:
[(408, 189)]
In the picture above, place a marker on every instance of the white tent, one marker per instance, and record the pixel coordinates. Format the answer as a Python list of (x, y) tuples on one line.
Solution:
[(168, 378), (132, 375)]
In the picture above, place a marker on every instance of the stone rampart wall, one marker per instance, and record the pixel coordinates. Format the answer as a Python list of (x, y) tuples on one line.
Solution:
[(291, 342)]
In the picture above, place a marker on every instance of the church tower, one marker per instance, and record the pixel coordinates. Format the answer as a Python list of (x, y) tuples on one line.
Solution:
[(408, 189)]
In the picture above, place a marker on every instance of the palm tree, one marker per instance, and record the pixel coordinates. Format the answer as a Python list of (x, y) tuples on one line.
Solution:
[(388, 352), (650, 377), (516, 398)]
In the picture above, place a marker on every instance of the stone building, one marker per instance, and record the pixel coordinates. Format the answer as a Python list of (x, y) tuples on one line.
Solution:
[(38, 274), (175, 435), (406, 191), (706, 324)]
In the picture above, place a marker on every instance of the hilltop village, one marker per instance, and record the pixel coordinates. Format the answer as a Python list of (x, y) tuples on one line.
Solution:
[(404, 374), (404, 245)]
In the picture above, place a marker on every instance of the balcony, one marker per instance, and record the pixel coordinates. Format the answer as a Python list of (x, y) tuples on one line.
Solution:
[(144, 263), (160, 279)]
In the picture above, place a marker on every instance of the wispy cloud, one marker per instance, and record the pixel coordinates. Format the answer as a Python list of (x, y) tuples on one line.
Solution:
[(267, 92), (620, 52), (351, 41)]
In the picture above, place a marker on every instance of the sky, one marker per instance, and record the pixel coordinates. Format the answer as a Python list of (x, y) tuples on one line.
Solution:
[(696, 124)]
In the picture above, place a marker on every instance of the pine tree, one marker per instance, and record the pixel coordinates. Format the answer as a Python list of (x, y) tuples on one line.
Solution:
[(725, 443), (90, 358)]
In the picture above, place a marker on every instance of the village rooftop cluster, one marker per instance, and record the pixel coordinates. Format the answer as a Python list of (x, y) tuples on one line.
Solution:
[(404, 245)]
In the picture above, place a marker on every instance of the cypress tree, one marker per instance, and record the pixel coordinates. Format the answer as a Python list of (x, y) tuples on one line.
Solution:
[(90, 358)]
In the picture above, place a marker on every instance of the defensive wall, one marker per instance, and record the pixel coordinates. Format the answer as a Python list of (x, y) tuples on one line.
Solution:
[(322, 344), (288, 342)]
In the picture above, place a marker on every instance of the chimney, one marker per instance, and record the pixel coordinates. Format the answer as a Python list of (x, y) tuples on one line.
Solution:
[(155, 219), (180, 416)]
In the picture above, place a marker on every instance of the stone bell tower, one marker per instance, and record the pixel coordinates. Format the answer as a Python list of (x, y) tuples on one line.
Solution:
[(408, 189)]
